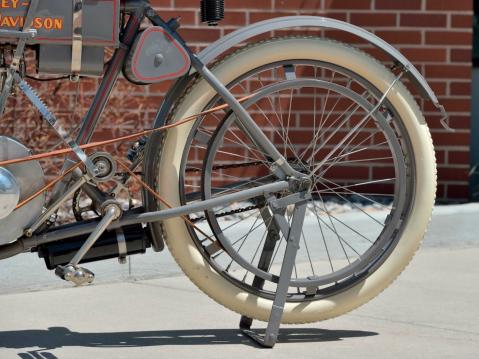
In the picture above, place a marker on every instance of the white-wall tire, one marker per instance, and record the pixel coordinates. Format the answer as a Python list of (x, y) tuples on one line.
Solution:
[(168, 162)]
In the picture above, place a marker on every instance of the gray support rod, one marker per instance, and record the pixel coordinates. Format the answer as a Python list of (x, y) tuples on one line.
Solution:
[(285, 275), (253, 130), (272, 238), (293, 236), (56, 205), (207, 204), (135, 218)]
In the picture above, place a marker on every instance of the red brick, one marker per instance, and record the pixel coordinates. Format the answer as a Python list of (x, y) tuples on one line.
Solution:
[(461, 55), (248, 4), (187, 17), (298, 4), (461, 88), (398, 5), (361, 19), (424, 54), (206, 34), (449, 38), (400, 37), (458, 157), (423, 20), (449, 5), (451, 139), (448, 71), (462, 21), (348, 4), (453, 174), (161, 3)]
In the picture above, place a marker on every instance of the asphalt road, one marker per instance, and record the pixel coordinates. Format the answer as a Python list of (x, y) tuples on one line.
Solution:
[(431, 311)]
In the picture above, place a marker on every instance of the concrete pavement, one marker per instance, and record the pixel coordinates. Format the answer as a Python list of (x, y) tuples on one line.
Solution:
[(431, 311)]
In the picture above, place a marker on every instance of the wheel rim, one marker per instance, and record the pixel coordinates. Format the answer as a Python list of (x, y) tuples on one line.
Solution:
[(344, 275)]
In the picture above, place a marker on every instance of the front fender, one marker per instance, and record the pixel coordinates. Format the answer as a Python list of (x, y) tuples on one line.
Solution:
[(240, 36)]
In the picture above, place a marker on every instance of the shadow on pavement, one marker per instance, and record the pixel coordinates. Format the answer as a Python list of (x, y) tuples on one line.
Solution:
[(58, 337)]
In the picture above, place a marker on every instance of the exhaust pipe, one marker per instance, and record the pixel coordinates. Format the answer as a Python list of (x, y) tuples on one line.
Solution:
[(11, 249)]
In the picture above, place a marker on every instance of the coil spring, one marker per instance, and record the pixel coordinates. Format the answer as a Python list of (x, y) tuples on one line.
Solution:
[(212, 11)]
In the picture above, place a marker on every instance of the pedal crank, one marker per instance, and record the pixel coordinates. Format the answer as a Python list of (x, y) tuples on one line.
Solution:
[(77, 275)]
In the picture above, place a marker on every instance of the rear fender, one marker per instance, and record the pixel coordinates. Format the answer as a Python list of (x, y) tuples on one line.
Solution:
[(237, 37)]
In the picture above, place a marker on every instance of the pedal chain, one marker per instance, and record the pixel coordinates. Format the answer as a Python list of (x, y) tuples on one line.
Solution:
[(229, 213)]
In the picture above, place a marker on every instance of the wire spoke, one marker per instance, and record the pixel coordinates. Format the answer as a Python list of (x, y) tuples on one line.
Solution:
[(347, 226), (352, 192), (323, 237), (334, 230), (251, 230), (307, 251), (355, 206), (341, 239)]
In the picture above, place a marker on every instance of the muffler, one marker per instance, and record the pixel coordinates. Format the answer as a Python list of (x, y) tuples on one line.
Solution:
[(117, 243)]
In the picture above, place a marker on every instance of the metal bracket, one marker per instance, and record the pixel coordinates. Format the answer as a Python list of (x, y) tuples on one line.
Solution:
[(292, 235), (445, 119), (122, 248), (77, 36)]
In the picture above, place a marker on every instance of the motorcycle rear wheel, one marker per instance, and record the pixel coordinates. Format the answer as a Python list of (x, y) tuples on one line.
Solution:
[(169, 165)]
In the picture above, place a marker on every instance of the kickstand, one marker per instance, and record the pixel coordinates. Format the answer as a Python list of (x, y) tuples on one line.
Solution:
[(293, 235)]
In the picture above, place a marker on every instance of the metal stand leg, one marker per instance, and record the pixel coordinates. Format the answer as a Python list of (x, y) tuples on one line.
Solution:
[(293, 236)]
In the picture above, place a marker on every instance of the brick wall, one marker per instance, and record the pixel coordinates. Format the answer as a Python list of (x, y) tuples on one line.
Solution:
[(435, 34)]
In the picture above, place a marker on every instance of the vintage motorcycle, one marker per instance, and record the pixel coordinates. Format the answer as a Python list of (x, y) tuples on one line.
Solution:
[(292, 178)]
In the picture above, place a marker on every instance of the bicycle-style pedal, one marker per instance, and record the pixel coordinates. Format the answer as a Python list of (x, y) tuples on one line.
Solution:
[(77, 275)]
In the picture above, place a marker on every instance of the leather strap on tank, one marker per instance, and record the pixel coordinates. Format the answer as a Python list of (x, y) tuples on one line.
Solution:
[(77, 36)]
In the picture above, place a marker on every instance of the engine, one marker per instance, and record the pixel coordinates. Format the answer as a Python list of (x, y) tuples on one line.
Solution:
[(18, 182)]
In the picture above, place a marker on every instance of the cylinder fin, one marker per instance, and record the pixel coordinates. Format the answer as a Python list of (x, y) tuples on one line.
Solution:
[(212, 11)]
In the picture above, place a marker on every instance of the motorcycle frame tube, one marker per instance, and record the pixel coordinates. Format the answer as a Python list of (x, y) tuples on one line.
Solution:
[(111, 77), (147, 217)]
